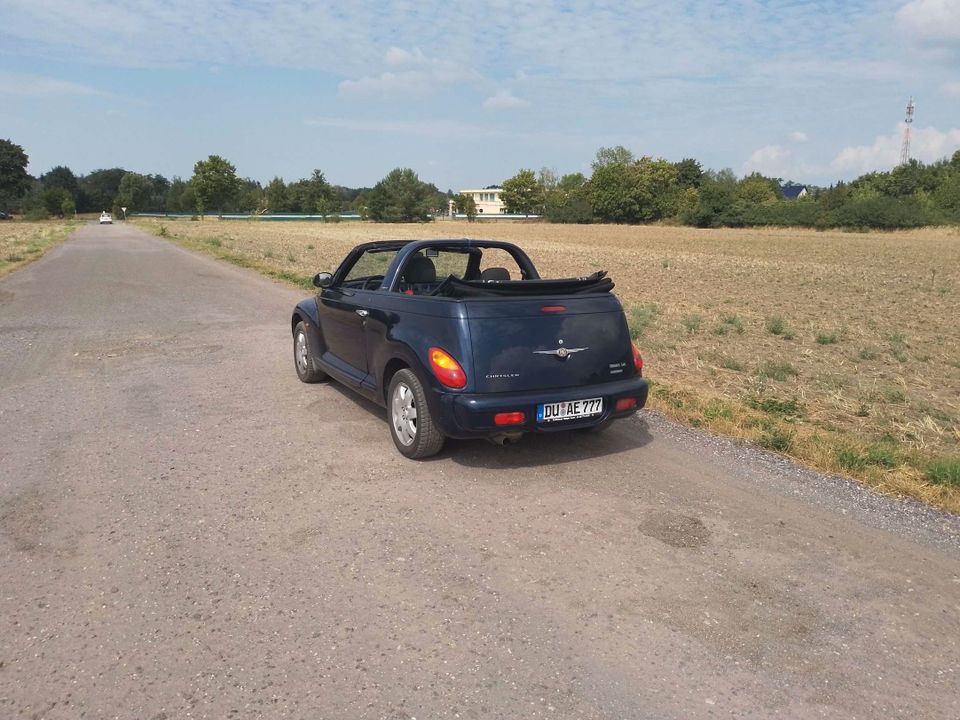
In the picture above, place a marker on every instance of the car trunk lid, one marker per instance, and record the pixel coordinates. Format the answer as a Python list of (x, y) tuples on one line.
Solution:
[(548, 342)]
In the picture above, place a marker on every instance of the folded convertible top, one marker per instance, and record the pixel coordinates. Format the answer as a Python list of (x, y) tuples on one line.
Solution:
[(456, 288)]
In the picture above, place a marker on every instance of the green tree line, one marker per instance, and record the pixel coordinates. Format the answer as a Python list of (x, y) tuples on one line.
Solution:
[(621, 188)]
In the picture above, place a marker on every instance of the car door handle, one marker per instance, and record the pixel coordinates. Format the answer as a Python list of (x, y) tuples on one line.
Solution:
[(363, 313)]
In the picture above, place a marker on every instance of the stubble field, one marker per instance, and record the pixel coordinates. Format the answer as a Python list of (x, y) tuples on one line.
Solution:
[(23, 242), (839, 349)]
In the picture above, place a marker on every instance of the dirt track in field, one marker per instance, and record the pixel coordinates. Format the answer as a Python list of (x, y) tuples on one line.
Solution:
[(187, 531)]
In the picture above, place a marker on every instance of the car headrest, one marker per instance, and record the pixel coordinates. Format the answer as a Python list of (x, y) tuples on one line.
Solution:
[(495, 274), (420, 269)]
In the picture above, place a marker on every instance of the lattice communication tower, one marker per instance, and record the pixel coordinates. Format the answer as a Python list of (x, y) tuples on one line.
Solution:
[(905, 148)]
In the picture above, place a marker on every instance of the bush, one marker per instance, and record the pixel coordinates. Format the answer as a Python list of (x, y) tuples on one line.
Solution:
[(37, 213)]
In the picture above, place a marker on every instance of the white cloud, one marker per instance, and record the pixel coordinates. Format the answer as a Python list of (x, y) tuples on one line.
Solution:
[(798, 136), (430, 129), (504, 100), (926, 144), (416, 75), (931, 19), (398, 56), (770, 160), (37, 86), (951, 89)]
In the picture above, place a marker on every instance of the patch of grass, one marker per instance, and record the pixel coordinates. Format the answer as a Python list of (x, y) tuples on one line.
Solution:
[(716, 410), (641, 317), (669, 396), (776, 325), (311, 247), (832, 383), (944, 471), (291, 258), (214, 242), (731, 363), (775, 437), (827, 338), (692, 323), (898, 346), (776, 406), (894, 395), (779, 371), (882, 455), (13, 257), (849, 459), (729, 323), (870, 352)]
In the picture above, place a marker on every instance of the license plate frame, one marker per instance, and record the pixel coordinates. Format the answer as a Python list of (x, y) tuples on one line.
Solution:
[(569, 410)]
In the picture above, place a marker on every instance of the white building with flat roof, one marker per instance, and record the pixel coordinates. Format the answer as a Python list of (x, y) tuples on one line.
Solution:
[(488, 201)]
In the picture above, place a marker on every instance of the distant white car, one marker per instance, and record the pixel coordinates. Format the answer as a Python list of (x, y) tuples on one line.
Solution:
[(106, 218)]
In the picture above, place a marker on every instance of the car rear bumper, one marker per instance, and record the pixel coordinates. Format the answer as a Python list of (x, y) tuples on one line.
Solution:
[(472, 416)]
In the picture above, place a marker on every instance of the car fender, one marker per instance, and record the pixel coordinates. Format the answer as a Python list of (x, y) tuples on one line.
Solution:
[(307, 312), (397, 353)]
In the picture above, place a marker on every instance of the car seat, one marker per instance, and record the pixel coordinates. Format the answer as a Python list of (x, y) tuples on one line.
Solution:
[(495, 274), (419, 275)]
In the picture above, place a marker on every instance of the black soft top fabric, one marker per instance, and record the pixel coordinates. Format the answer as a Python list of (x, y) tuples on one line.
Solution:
[(456, 288)]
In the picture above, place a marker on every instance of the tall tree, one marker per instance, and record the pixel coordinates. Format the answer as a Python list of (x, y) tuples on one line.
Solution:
[(617, 155), (14, 180), (277, 198), (522, 194), (756, 189), (63, 178), (613, 194), (215, 182), (465, 205), (570, 200), (135, 192), (99, 189), (400, 197), (689, 173)]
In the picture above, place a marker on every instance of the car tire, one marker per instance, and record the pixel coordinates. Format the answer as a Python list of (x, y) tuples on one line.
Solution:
[(305, 357), (418, 436)]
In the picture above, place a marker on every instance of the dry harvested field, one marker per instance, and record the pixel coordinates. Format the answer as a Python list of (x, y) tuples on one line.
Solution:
[(839, 349), (23, 242)]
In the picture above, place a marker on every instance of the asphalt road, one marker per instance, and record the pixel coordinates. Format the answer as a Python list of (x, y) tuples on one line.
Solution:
[(186, 531)]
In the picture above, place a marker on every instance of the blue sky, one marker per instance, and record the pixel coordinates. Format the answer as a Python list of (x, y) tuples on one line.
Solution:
[(468, 93)]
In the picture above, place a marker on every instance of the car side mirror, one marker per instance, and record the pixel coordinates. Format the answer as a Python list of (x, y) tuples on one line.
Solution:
[(323, 280)]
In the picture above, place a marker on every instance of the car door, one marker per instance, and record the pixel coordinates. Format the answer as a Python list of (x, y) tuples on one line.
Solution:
[(342, 320), (344, 308)]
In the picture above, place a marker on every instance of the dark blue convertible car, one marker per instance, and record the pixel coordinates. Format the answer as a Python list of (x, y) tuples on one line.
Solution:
[(463, 339)]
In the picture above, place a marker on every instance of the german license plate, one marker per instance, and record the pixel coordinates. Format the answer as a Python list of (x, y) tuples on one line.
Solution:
[(569, 410)]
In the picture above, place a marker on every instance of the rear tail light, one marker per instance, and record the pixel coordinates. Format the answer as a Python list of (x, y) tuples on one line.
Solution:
[(554, 308), (625, 404), (446, 369), (509, 418), (637, 360)]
